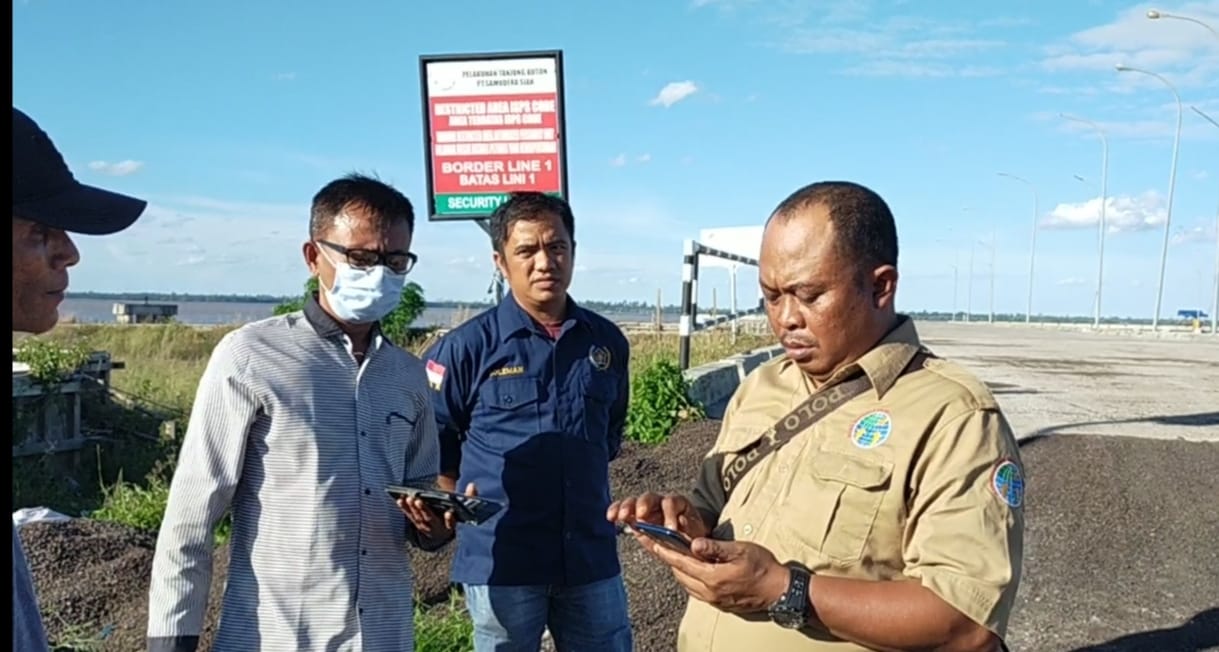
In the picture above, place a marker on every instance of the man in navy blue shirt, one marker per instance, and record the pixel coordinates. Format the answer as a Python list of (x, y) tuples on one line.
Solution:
[(530, 398)]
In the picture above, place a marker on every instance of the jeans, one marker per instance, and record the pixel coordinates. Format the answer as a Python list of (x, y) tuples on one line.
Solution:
[(585, 618)]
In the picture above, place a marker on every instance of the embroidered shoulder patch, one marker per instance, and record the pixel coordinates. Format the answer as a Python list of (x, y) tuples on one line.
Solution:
[(600, 357), (435, 374), (872, 429), (1007, 481)]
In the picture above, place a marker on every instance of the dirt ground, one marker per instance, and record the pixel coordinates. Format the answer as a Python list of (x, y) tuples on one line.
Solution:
[(1121, 551)]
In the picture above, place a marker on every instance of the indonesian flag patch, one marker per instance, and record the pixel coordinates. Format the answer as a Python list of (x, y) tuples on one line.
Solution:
[(435, 374)]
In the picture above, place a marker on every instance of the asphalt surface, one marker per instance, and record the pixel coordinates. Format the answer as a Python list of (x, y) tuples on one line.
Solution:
[(1059, 381)]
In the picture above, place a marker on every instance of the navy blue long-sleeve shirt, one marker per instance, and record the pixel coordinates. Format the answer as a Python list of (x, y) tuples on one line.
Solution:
[(533, 421)]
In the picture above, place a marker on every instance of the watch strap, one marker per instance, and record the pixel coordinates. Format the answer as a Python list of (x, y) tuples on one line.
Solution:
[(792, 608)]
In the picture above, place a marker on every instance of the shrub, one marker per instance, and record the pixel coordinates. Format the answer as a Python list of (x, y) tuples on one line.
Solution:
[(143, 507), (396, 325), (659, 401), (51, 363)]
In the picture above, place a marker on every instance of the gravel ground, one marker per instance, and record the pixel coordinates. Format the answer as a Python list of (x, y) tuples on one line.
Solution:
[(1122, 546), (92, 582), (1121, 551)]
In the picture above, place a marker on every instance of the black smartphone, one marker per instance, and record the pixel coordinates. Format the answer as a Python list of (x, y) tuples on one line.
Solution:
[(467, 509), (664, 536)]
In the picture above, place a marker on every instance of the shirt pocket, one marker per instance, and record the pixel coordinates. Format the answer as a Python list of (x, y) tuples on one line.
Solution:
[(597, 403), (833, 503), (511, 411)]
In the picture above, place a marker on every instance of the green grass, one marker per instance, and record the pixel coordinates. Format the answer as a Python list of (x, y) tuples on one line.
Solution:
[(444, 627), (165, 361)]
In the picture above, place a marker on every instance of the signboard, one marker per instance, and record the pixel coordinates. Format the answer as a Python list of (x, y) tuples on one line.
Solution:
[(740, 240), (492, 124)]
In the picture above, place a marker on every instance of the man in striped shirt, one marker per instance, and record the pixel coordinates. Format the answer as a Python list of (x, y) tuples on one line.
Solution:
[(299, 424), (48, 204)]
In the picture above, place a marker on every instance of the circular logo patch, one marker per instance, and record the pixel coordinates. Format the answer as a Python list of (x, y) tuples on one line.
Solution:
[(600, 357), (1008, 483), (872, 429)]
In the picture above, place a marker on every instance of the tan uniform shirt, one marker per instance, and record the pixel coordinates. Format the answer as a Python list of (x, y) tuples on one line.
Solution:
[(918, 478)]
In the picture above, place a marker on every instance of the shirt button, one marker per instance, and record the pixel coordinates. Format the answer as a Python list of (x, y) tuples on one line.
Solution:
[(367, 491), (363, 552), (363, 434), (748, 529), (508, 400)]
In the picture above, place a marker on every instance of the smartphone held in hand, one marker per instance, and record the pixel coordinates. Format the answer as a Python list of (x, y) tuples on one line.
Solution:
[(664, 536), (467, 509)]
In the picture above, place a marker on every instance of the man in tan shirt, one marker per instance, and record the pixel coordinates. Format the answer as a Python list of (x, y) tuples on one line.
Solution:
[(862, 493)]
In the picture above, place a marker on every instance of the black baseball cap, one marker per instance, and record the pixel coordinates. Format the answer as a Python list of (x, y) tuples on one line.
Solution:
[(45, 192)]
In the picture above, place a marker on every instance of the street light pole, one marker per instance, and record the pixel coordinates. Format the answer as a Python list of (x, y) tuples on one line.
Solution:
[(1028, 315), (1215, 301), (1104, 200), (994, 248), (1156, 15), (1172, 184), (969, 283), (956, 260)]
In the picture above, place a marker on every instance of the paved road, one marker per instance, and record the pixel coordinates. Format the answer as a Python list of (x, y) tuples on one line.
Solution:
[(1070, 382), (1053, 381)]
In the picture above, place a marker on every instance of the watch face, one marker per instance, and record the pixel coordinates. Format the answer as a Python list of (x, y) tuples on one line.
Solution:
[(788, 619)]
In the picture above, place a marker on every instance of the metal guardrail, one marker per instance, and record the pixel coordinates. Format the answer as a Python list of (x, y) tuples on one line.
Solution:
[(689, 324)]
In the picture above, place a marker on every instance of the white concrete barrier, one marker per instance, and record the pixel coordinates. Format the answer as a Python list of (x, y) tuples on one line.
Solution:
[(713, 383)]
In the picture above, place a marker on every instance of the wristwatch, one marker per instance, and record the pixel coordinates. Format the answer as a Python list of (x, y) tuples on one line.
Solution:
[(791, 610)]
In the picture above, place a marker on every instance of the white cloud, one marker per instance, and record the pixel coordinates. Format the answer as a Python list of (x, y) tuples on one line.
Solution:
[(285, 76), (1182, 51), (1070, 281), (119, 169), (674, 92), (621, 159), (1147, 122), (1199, 232), (1122, 213), (1200, 175), (864, 42), (899, 68), (723, 5)]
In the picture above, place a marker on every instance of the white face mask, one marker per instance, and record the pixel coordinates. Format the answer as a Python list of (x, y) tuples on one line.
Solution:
[(363, 295)]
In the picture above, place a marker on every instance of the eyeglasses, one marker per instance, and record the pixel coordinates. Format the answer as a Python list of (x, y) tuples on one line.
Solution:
[(398, 261)]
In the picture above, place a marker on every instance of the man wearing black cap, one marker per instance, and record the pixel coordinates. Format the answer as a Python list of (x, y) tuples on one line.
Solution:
[(48, 204)]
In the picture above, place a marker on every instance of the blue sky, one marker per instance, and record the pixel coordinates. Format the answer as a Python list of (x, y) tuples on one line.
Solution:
[(681, 115)]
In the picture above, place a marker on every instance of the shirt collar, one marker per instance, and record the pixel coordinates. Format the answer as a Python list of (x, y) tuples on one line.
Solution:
[(885, 362), (325, 325), (513, 319)]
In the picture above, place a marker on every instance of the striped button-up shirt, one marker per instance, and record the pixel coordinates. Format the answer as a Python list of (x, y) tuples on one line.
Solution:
[(299, 441)]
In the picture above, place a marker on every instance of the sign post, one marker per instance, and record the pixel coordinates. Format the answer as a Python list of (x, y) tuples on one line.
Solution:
[(493, 123)]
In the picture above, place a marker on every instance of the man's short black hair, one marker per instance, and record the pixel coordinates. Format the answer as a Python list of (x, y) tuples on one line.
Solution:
[(862, 220), (529, 206), (385, 203)]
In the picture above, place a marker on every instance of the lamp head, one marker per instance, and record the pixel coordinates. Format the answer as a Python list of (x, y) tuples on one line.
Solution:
[(1121, 67), (1153, 14)]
